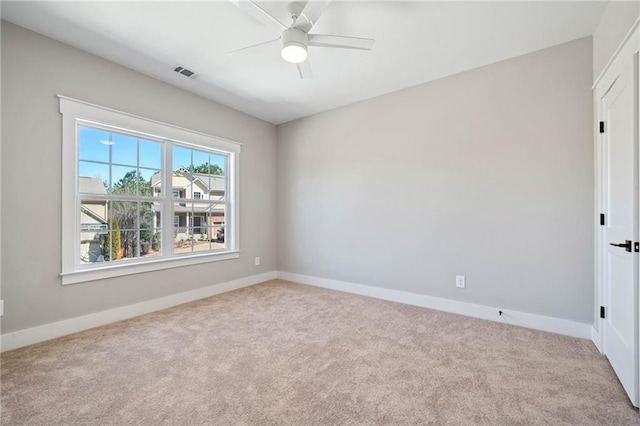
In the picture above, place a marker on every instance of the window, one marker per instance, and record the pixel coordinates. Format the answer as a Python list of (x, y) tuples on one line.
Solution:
[(127, 179)]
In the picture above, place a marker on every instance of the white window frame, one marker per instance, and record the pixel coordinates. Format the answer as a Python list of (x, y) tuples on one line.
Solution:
[(75, 112), (199, 197)]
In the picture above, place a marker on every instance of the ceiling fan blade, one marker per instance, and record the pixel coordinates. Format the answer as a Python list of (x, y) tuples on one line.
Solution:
[(324, 40), (310, 14), (255, 49), (252, 8), (304, 69)]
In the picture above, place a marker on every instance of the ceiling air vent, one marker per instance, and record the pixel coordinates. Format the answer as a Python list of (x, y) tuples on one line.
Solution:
[(188, 73)]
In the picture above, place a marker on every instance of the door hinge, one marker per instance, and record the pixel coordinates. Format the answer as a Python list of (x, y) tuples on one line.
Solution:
[(602, 219), (601, 311), (602, 127)]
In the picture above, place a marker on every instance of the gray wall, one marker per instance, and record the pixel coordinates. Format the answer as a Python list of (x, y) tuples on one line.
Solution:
[(616, 21), (487, 174), (34, 70)]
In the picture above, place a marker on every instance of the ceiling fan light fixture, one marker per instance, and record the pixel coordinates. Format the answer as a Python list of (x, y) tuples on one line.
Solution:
[(295, 38), (294, 53), (294, 45)]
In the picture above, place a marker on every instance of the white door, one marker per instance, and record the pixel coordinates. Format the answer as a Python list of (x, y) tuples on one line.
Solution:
[(619, 113)]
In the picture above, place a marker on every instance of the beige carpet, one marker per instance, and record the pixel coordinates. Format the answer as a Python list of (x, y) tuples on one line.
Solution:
[(282, 353)]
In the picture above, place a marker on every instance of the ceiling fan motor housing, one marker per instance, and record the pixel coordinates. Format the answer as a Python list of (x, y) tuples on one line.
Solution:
[(293, 36), (295, 9)]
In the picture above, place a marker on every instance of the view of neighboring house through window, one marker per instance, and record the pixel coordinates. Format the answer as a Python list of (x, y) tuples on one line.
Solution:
[(117, 204), (121, 195), (139, 195), (199, 178)]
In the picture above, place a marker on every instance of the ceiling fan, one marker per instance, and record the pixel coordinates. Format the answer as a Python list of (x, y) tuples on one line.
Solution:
[(295, 38)]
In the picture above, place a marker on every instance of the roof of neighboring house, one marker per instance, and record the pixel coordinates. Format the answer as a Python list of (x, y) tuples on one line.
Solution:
[(95, 216), (211, 182), (91, 185)]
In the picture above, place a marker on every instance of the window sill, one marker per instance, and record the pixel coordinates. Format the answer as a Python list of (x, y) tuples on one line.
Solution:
[(111, 271)]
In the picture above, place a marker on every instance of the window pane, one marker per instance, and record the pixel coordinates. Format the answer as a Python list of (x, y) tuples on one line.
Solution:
[(150, 229), (93, 225), (146, 183), (181, 176), (125, 180), (217, 237), (150, 215), (192, 231), (217, 225), (150, 242), (93, 178), (217, 164), (111, 246), (182, 219), (93, 144), (156, 184), (200, 161), (196, 190), (124, 214), (124, 150), (150, 154), (123, 224), (129, 242), (209, 177), (217, 187), (181, 157), (201, 241), (200, 220)]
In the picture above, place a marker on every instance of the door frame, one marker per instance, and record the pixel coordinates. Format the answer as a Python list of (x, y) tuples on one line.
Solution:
[(629, 48)]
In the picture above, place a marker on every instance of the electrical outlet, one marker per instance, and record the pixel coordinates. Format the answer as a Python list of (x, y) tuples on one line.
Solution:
[(1, 308), (460, 281), (257, 261)]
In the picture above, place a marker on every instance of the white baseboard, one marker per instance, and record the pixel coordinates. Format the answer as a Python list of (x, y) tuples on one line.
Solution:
[(45, 332), (29, 336), (596, 338), (522, 319)]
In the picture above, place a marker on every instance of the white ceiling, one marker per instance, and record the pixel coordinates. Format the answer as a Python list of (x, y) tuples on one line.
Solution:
[(416, 42)]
